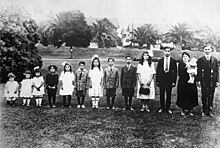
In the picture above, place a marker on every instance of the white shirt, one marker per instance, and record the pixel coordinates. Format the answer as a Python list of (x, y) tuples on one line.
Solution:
[(166, 58)]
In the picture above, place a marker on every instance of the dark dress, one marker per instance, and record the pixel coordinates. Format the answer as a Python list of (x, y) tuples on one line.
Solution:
[(187, 95)]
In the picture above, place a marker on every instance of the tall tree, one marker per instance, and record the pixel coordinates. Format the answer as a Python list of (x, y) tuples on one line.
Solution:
[(146, 34), (180, 34), (18, 37), (105, 33), (70, 27)]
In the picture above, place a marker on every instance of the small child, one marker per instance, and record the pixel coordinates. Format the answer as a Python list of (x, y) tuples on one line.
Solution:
[(192, 70), (26, 88), (81, 84), (111, 82), (11, 90), (52, 80), (67, 79), (38, 86), (96, 81)]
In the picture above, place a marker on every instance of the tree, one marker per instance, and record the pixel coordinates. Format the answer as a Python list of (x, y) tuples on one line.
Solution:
[(70, 27), (105, 34), (18, 36), (180, 34), (146, 34)]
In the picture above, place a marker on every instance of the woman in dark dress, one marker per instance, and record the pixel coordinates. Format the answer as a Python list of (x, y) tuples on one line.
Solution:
[(187, 95)]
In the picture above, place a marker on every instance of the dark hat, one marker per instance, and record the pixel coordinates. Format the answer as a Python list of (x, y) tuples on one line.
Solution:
[(52, 66), (11, 75)]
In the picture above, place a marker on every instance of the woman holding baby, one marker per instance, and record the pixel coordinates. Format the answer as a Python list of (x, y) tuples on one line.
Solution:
[(187, 96)]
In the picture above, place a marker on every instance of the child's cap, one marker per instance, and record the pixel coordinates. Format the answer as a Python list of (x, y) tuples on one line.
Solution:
[(36, 69), (11, 75), (27, 72), (53, 66)]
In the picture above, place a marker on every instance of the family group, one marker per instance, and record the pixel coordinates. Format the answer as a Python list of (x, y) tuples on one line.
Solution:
[(193, 73)]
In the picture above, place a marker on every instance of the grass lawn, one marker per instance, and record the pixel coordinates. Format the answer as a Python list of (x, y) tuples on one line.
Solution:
[(71, 127)]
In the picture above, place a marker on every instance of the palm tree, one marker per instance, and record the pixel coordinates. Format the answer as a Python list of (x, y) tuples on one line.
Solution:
[(146, 34), (103, 32), (180, 34)]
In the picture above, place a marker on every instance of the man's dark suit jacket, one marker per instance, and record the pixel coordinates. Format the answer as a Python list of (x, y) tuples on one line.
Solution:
[(128, 77), (163, 78), (208, 71)]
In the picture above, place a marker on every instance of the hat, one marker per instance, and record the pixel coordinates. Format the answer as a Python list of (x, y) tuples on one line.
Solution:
[(27, 72), (95, 56), (53, 66), (36, 69), (11, 75)]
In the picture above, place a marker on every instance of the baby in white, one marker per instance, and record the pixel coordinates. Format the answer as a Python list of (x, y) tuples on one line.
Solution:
[(192, 70)]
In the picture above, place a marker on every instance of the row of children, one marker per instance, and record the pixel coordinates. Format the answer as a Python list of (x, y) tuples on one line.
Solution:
[(82, 80)]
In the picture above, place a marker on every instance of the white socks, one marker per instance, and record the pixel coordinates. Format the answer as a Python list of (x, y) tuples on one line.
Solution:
[(38, 101), (95, 102)]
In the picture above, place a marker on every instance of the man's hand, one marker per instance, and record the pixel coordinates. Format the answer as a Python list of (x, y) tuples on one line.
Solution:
[(217, 84), (173, 84)]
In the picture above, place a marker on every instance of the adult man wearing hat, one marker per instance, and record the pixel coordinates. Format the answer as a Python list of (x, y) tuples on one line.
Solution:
[(166, 75), (207, 79)]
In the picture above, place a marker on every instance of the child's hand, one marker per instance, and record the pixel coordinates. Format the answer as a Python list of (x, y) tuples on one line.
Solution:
[(15, 92)]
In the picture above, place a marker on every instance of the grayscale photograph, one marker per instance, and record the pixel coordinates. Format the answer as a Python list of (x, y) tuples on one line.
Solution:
[(109, 74)]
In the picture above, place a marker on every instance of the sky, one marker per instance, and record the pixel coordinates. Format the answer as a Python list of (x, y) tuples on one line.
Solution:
[(128, 11)]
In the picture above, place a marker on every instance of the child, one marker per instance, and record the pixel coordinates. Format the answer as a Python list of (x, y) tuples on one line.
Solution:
[(38, 86), (96, 81), (81, 84), (11, 89), (192, 70), (52, 80), (26, 88), (111, 82), (66, 83)]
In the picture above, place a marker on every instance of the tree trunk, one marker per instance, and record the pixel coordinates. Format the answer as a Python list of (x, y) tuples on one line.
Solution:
[(71, 52)]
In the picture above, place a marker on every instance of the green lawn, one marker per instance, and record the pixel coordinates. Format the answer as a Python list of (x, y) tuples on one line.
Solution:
[(71, 127)]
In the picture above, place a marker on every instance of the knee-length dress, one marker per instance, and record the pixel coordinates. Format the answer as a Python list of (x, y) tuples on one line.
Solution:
[(26, 88), (67, 79), (37, 81), (96, 77), (187, 95), (10, 89), (146, 73)]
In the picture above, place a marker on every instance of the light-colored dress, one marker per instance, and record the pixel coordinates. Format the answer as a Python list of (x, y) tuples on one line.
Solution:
[(26, 88), (96, 77), (37, 81), (67, 79), (146, 73), (10, 88)]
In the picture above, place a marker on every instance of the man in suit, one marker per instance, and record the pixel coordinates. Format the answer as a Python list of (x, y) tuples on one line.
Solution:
[(128, 82), (207, 79), (166, 75), (111, 82)]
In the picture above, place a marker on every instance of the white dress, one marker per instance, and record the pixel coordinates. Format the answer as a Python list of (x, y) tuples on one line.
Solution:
[(37, 81), (26, 88), (10, 89), (67, 79), (145, 73), (96, 77)]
